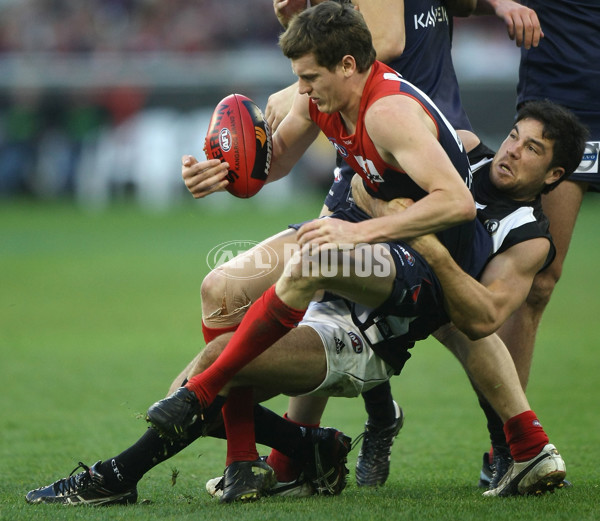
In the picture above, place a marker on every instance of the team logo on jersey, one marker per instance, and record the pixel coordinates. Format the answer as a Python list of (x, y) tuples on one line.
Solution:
[(337, 174), (408, 255), (589, 162), (431, 18), (339, 344), (357, 344), (374, 178), (492, 225), (341, 150)]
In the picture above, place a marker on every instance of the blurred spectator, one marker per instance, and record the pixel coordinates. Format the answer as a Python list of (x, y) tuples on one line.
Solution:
[(20, 126), (134, 25), (89, 87)]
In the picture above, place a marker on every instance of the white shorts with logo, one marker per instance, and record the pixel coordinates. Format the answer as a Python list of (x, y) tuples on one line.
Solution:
[(352, 366)]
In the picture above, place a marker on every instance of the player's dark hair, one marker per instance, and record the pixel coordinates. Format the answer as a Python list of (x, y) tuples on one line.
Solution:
[(564, 128), (330, 31)]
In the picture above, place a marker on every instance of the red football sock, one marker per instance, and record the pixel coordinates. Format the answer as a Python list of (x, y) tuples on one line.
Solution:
[(266, 321), (286, 468), (238, 416), (210, 333), (525, 436)]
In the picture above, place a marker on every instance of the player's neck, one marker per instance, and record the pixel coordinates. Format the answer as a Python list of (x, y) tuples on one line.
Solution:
[(350, 113)]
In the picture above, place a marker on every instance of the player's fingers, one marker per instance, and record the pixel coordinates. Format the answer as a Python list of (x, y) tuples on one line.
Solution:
[(537, 33), (524, 27), (205, 184), (274, 123), (526, 31), (311, 243), (307, 227), (199, 193), (271, 114), (191, 168), (514, 27), (311, 235), (510, 25), (188, 160), (219, 187)]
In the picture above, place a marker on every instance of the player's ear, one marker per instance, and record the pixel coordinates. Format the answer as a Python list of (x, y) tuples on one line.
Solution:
[(554, 174), (348, 64)]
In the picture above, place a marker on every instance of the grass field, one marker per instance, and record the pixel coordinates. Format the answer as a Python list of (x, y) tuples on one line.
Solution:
[(98, 312)]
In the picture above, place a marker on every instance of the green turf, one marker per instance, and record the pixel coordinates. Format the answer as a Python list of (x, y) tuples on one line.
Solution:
[(98, 312)]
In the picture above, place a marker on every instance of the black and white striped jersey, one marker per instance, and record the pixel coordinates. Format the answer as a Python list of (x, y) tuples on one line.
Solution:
[(508, 222)]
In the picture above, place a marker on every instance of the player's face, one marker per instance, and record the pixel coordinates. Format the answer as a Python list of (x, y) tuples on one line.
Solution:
[(323, 87), (521, 166)]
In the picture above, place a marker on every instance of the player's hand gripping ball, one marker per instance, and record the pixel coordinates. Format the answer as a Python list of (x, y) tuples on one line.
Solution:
[(239, 134)]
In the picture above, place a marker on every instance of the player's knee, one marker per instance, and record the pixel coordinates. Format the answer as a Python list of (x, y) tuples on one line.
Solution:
[(210, 353), (213, 291), (224, 299)]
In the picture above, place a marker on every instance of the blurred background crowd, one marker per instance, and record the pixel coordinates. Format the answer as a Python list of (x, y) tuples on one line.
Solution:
[(100, 98)]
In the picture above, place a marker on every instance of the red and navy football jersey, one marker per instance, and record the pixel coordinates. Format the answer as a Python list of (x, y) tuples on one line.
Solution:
[(381, 179)]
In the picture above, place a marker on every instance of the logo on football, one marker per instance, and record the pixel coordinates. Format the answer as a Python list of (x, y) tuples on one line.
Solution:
[(239, 134), (225, 139)]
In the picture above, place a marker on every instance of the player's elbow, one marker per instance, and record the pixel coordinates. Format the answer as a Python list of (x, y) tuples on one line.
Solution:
[(465, 210), (462, 7), (470, 211), (481, 321), (479, 329), (389, 49)]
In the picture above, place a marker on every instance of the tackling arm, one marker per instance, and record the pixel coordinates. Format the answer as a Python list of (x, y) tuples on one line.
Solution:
[(480, 308)]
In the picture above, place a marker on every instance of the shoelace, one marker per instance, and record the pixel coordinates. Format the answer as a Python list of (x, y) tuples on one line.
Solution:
[(321, 482), (375, 443), (331, 482), (374, 436), (356, 441), (73, 483)]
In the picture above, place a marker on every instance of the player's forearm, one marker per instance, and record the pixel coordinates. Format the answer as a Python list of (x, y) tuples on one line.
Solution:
[(469, 304), (461, 7), (431, 214), (290, 141), (487, 7)]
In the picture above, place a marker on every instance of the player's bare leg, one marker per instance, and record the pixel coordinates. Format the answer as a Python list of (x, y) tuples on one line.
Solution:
[(489, 365), (561, 205), (536, 465)]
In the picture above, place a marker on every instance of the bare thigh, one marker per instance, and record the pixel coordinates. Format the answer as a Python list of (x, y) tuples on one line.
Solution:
[(296, 364)]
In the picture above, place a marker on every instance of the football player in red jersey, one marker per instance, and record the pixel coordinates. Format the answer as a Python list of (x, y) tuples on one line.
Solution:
[(405, 47), (508, 192), (340, 89)]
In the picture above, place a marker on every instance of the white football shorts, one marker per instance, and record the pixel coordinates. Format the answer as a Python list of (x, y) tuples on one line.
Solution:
[(352, 366)]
